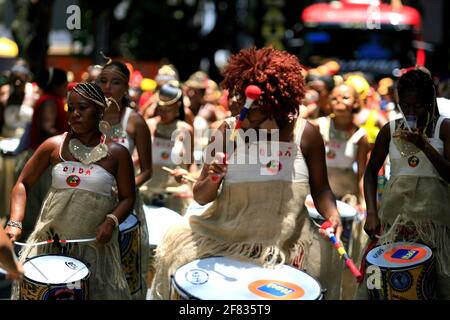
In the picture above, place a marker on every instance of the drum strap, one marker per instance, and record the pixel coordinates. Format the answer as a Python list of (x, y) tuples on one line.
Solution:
[(371, 245)]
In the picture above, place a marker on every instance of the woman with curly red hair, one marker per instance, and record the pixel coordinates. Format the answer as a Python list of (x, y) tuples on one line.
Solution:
[(257, 214)]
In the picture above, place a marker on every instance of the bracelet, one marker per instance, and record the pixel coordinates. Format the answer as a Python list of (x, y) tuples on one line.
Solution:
[(114, 218), (14, 224)]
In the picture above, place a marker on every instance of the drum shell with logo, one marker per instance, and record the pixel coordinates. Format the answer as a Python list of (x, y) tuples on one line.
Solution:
[(221, 278), (407, 272), (57, 268), (347, 214), (129, 243)]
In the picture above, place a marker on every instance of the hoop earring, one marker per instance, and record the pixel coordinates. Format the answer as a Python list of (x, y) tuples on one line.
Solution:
[(104, 127)]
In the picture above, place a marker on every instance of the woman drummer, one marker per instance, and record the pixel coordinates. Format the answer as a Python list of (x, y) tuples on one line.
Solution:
[(416, 199), (171, 138), (345, 145), (257, 215), (80, 203), (127, 127)]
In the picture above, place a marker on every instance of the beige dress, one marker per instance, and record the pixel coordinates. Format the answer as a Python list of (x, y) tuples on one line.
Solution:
[(257, 216), (119, 135), (340, 156), (171, 152), (77, 203), (416, 197)]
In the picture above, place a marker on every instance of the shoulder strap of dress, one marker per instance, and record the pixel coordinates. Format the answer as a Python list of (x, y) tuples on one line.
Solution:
[(392, 127), (125, 118), (324, 127), (61, 146), (299, 128), (437, 130)]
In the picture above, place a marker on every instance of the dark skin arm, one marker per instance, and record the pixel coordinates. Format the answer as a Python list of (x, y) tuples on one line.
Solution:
[(441, 163), (206, 188), (7, 259), (313, 149), (124, 174), (143, 142), (376, 161), (47, 120), (361, 159), (32, 171)]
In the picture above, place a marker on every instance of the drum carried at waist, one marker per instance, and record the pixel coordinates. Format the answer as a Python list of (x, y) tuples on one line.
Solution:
[(221, 278), (55, 277), (346, 211), (130, 244), (402, 271)]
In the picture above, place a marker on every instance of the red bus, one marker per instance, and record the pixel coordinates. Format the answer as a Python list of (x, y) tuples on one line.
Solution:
[(362, 35)]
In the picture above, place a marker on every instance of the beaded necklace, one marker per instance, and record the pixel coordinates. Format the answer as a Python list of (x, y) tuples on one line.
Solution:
[(88, 155)]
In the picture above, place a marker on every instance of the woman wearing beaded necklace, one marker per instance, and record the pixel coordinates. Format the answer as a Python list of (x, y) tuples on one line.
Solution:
[(80, 203), (127, 127), (416, 199)]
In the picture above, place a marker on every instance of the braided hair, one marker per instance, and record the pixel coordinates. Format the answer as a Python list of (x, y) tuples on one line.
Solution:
[(277, 73), (92, 92), (419, 80)]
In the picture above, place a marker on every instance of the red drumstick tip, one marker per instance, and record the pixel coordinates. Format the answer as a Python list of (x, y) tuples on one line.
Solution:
[(252, 92)]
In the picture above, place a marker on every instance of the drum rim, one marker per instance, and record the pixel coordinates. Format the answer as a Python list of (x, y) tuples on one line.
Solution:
[(320, 294), (181, 290), (86, 278), (318, 216), (406, 266), (133, 226)]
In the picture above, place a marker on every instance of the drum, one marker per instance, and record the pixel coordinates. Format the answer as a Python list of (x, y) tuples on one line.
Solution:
[(220, 278), (405, 271), (9, 145), (55, 277), (129, 242), (159, 219), (347, 213)]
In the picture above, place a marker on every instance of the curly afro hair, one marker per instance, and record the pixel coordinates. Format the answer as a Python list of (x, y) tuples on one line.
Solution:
[(277, 73)]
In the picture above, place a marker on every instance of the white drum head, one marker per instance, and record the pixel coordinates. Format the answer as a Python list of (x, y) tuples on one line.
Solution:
[(159, 219), (399, 255), (220, 278), (128, 223), (9, 144), (55, 269), (346, 211)]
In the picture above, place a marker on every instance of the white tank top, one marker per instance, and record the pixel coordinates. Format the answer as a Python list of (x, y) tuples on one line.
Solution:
[(76, 175), (124, 139), (287, 165), (417, 164), (340, 153)]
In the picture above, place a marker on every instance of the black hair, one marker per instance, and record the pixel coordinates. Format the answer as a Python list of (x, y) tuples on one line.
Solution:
[(50, 78), (419, 80)]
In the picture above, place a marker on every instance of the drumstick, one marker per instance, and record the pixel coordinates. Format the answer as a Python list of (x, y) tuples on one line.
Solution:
[(38, 269), (341, 250), (252, 93), (77, 240), (187, 177), (34, 244)]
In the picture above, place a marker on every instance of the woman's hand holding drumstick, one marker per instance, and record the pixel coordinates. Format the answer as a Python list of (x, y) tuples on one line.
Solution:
[(180, 175)]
